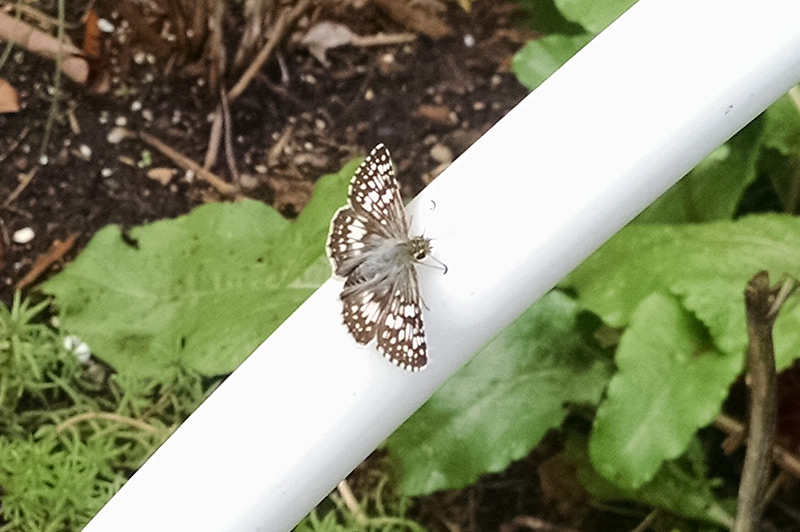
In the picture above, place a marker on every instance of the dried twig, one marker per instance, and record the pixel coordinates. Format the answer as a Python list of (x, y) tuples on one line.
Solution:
[(782, 457), (415, 19), (108, 416), (45, 45), (56, 252), (226, 122), (533, 523), (214, 137), (24, 182), (352, 504), (646, 522), (222, 186), (382, 39), (762, 304), (15, 143), (285, 21)]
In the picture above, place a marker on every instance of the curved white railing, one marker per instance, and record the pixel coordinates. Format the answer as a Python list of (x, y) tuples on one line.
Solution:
[(582, 155)]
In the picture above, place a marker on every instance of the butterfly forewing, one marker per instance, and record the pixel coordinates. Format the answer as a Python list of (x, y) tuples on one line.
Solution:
[(369, 246), (375, 194)]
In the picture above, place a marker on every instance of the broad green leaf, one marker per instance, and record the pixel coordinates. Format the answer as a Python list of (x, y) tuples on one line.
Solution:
[(706, 265), (544, 17), (714, 188), (781, 160), (538, 59), (680, 486), (594, 16), (501, 404), (670, 381), (782, 125), (200, 291)]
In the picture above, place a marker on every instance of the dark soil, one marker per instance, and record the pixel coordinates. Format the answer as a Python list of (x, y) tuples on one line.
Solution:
[(441, 93)]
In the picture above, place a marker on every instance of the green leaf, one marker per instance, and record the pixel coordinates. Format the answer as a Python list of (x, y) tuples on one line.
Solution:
[(671, 380), (681, 486), (538, 59), (706, 265), (714, 188), (544, 17), (780, 161), (594, 16), (500, 405), (782, 125), (200, 291)]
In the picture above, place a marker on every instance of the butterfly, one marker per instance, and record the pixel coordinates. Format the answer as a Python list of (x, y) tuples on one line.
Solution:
[(370, 247)]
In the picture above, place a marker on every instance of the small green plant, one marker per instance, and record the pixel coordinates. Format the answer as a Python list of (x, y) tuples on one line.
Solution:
[(70, 435), (31, 355)]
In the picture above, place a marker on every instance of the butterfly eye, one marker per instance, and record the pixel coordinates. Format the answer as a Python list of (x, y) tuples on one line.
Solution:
[(420, 255)]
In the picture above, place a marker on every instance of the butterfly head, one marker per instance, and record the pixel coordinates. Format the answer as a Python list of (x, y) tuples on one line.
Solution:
[(420, 247)]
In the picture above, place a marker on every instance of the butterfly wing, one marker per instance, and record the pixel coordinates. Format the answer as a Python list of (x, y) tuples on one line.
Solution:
[(362, 311), (375, 194), (400, 330), (346, 245), (375, 212)]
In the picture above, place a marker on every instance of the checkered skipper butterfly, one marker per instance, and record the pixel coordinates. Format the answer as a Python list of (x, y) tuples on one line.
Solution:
[(370, 247)]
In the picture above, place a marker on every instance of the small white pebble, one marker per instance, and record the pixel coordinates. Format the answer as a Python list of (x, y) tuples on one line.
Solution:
[(85, 151), (106, 172), (469, 40), (117, 135), (43, 160), (23, 236), (248, 181), (105, 26), (121, 121), (441, 153), (136, 105)]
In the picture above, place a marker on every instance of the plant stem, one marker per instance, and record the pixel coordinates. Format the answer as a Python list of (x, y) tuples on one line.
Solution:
[(762, 304)]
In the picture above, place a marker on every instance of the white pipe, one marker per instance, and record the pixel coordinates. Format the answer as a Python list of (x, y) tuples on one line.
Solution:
[(581, 156)]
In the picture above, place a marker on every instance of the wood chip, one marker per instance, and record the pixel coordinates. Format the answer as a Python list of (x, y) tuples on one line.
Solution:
[(415, 19), (162, 174), (9, 99), (439, 114)]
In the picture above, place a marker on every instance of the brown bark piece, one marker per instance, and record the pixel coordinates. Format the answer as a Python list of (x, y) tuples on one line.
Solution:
[(415, 19)]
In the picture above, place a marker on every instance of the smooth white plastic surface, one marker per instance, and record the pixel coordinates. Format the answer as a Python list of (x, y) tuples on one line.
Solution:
[(603, 137)]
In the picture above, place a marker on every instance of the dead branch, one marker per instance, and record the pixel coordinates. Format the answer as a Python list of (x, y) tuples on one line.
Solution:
[(45, 45), (762, 304), (282, 26)]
